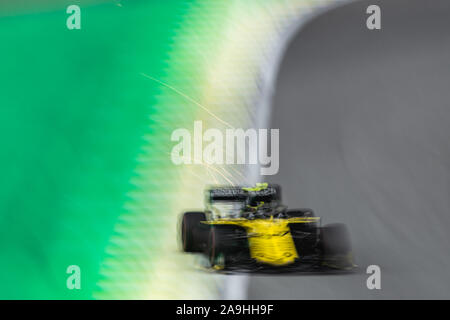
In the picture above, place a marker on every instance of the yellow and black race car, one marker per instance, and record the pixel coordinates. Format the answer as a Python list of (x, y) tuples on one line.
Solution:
[(249, 228)]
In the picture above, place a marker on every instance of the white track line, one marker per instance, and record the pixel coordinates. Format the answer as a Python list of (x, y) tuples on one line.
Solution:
[(236, 286)]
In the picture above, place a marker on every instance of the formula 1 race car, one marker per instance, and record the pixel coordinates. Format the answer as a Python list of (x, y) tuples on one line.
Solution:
[(248, 228)]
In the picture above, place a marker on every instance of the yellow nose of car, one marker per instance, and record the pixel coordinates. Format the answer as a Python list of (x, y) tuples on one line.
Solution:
[(270, 242)]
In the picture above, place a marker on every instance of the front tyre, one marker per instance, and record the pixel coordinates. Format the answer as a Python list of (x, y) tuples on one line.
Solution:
[(219, 246), (336, 246), (193, 233)]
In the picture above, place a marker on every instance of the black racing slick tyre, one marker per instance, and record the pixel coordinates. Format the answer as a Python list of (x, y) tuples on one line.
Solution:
[(336, 246), (217, 247), (193, 233)]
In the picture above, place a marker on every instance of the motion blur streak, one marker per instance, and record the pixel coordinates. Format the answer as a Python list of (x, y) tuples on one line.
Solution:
[(364, 139), (86, 138), (227, 50)]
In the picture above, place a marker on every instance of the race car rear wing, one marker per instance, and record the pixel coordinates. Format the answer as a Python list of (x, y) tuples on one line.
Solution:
[(262, 191), (225, 194)]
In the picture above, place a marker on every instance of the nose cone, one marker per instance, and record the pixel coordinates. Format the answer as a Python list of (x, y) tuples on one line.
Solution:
[(285, 258), (271, 242)]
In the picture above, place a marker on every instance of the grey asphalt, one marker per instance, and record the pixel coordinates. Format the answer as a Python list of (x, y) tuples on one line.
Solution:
[(364, 119)]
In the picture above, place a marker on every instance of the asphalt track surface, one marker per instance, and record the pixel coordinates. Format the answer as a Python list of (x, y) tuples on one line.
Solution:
[(364, 119)]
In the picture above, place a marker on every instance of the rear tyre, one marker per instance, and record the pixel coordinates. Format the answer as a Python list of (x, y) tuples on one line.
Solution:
[(300, 213), (336, 246), (193, 233)]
